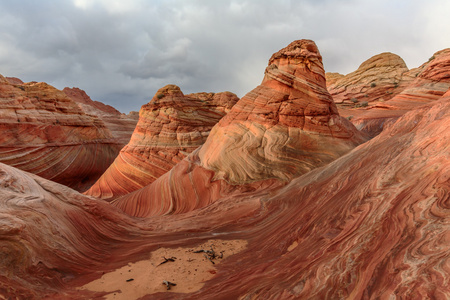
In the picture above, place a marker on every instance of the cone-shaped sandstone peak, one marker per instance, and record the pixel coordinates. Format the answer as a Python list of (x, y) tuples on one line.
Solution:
[(283, 128)]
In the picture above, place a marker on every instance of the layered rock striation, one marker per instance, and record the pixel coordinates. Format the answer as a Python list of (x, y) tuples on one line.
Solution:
[(285, 127), (377, 79), (430, 81), (44, 132), (170, 126), (371, 224), (120, 125)]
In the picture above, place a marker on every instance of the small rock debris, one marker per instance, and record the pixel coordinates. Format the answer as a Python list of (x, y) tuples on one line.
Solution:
[(167, 260), (169, 284)]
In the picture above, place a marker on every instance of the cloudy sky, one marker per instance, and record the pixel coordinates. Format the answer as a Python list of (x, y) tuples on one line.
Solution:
[(122, 51)]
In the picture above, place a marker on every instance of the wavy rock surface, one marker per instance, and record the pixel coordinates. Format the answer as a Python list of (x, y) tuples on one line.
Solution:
[(170, 127), (284, 128), (379, 78), (45, 133), (120, 125), (431, 81), (371, 224)]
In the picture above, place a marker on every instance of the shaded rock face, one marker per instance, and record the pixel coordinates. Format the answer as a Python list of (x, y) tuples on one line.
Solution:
[(14, 80), (120, 125), (80, 96), (423, 85), (371, 224), (170, 127), (44, 132), (284, 128)]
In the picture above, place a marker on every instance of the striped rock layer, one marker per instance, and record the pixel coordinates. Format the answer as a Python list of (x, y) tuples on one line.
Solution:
[(44, 132), (284, 128), (373, 224), (120, 125), (170, 127), (430, 82), (379, 78)]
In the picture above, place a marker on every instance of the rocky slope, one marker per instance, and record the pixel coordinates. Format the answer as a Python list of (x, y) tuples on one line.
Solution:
[(170, 127), (44, 132), (411, 89), (377, 79), (120, 125), (371, 224), (285, 127)]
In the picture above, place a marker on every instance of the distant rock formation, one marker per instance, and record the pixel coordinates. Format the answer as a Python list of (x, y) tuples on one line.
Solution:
[(14, 80), (170, 127), (44, 132), (332, 78), (285, 127), (422, 85), (377, 79), (120, 125)]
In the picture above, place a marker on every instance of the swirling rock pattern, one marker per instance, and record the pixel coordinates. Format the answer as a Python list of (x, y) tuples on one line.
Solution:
[(371, 224), (120, 125), (379, 78), (415, 88), (170, 127), (45, 133), (285, 127)]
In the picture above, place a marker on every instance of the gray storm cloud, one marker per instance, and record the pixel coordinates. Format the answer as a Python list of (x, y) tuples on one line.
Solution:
[(121, 52)]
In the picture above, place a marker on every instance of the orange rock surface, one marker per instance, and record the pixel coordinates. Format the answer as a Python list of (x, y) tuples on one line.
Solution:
[(284, 128), (431, 81), (14, 80), (170, 127), (372, 224), (120, 125), (44, 132), (377, 79)]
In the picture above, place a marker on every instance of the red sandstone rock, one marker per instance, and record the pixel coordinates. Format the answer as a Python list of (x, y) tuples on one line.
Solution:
[(371, 224), (332, 78), (431, 81), (45, 133), (80, 96), (120, 125), (377, 79), (170, 127), (282, 129), (14, 80)]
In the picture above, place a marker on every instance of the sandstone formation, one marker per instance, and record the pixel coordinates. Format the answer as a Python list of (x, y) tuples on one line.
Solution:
[(431, 81), (284, 128), (44, 132), (14, 80), (120, 125), (332, 78), (170, 127), (372, 224), (377, 79)]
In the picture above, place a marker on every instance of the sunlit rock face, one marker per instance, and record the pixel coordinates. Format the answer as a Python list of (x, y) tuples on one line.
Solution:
[(120, 125), (44, 132), (377, 79), (285, 127), (416, 87), (371, 224), (170, 127)]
